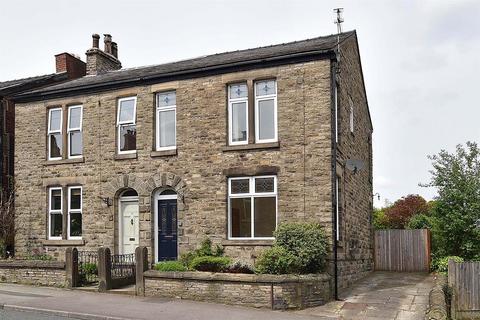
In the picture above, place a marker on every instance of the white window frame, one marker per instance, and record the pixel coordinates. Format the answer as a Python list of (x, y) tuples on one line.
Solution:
[(70, 210), (252, 195), (275, 120), (75, 129), (50, 132), (50, 212), (125, 123), (232, 101), (351, 115), (160, 109)]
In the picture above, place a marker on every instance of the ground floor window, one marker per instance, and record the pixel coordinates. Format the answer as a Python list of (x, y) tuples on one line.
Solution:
[(252, 203), (65, 223)]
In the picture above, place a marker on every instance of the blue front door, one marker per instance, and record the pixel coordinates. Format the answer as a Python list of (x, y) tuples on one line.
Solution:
[(167, 229)]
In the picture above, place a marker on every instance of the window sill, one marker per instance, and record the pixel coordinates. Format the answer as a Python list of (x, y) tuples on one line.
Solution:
[(125, 156), (163, 153), (64, 161), (63, 242), (253, 146), (252, 242)]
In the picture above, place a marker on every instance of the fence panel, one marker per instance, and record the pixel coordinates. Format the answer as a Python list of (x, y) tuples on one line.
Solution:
[(464, 279), (402, 250)]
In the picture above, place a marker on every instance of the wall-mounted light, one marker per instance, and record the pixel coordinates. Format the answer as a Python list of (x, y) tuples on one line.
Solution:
[(108, 201)]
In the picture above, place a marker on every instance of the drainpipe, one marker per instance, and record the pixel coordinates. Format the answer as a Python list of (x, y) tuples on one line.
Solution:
[(334, 67)]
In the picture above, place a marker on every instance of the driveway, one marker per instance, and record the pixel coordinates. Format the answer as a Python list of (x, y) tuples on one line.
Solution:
[(381, 295)]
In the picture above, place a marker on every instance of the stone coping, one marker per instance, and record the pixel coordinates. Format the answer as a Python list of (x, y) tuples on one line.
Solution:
[(33, 264), (236, 277)]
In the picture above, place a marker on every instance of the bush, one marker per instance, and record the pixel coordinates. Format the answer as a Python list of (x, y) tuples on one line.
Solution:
[(277, 260), (239, 267), (204, 250), (441, 264), (88, 268), (165, 266), (420, 221), (210, 263), (307, 242)]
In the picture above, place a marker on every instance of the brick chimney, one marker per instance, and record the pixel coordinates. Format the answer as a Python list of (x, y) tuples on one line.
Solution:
[(99, 61), (73, 66)]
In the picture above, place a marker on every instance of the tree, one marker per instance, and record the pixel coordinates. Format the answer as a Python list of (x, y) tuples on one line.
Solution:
[(456, 176), (399, 214)]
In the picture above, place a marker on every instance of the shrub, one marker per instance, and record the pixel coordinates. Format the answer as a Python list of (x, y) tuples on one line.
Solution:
[(306, 242), (277, 260), (89, 268), (210, 263), (205, 250), (239, 267), (165, 266), (441, 264), (420, 221)]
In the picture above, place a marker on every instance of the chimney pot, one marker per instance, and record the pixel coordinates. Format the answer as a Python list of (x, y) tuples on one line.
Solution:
[(107, 39), (96, 39), (115, 49)]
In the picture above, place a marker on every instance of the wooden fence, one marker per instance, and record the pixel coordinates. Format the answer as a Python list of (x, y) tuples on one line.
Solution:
[(402, 250), (464, 279)]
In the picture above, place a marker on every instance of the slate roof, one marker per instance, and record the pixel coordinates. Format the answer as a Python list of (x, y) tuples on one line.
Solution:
[(17, 84), (132, 76)]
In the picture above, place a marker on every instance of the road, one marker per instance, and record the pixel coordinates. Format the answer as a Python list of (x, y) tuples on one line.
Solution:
[(18, 315)]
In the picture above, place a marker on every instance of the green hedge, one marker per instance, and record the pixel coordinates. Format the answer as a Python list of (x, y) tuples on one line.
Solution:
[(166, 266), (298, 248), (211, 264), (441, 264)]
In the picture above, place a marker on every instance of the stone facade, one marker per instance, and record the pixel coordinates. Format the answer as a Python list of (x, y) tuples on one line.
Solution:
[(260, 291), (198, 170), (40, 273)]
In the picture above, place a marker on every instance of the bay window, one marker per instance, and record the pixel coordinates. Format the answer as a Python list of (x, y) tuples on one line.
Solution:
[(166, 117), (252, 207), (127, 131)]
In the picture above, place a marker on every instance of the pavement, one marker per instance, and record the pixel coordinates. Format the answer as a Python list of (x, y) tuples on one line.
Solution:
[(381, 295)]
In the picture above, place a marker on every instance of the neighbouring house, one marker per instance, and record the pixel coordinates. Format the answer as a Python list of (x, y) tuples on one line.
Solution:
[(225, 146), (67, 67)]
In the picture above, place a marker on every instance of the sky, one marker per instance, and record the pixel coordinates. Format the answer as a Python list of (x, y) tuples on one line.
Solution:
[(420, 58)]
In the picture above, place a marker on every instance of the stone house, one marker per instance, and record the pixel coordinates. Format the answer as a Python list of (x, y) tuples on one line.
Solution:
[(225, 146), (67, 67)]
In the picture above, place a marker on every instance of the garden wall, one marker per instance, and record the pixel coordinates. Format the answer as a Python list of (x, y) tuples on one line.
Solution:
[(33, 272), (261, 291)]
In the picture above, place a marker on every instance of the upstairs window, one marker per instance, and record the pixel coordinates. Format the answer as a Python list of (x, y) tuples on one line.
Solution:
[(74, 212), (166, 118), (55, 137), (238, 113), (127, 131), (55, 216), (252, 207), (74, 131), (266, 111)]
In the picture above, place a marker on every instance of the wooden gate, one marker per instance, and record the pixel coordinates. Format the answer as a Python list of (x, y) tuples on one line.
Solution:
[(464, 279), (402, 250)]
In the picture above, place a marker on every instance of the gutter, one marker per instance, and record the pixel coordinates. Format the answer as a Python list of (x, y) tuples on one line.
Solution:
[(178, 75)]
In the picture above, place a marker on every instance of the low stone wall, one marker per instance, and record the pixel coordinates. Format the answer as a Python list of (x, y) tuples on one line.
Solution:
[(261, 291), (33, 272)]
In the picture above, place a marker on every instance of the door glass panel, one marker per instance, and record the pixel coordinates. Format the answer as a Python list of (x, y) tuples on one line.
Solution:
[(241, 217), (265, 216), (266, 119)]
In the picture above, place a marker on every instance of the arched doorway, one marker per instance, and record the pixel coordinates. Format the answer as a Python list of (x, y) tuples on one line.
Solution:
[(128, 222), (166, 235)]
